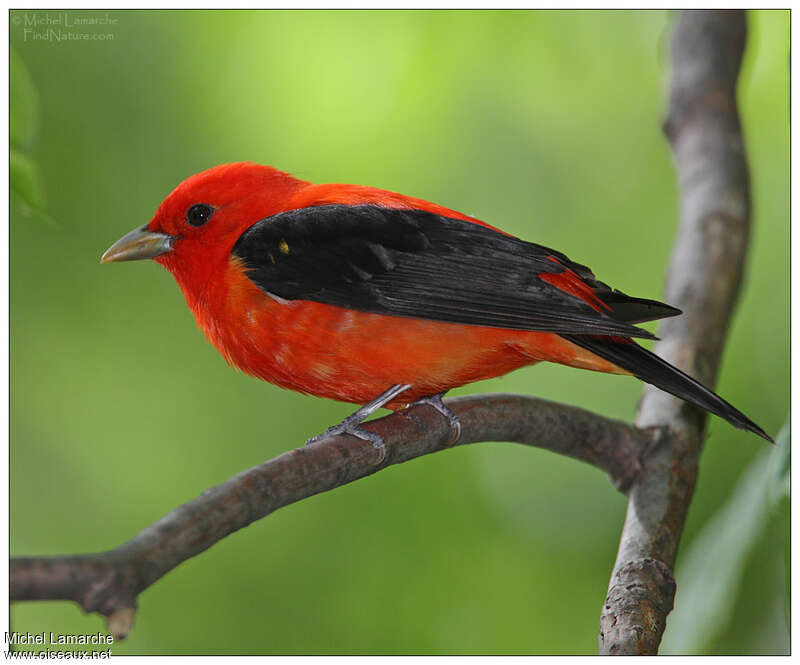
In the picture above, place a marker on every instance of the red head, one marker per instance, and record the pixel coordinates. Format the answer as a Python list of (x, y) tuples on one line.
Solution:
[(197, 225)]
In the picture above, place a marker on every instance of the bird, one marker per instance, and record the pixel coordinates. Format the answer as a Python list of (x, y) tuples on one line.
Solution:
[(371, 297)]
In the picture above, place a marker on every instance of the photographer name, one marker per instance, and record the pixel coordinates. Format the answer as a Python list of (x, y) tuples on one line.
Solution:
[(57, 638), (67, 20)]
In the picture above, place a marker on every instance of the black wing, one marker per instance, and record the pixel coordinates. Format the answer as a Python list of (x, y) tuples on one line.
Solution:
[(418, 264)]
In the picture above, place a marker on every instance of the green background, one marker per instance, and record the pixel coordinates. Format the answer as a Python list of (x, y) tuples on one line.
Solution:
[(546, 124)]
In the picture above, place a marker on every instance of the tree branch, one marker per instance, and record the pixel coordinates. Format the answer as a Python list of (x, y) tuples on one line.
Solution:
[(660, 454), (109, 582), (704, 276)]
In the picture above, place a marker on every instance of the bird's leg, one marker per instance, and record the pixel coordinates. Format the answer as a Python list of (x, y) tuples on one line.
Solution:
[(352, 424), (436, 402)]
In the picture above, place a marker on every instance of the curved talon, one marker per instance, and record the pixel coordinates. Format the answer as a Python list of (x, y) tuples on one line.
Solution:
[(456, 432), (346, 427), (352, 424), (436, 402)]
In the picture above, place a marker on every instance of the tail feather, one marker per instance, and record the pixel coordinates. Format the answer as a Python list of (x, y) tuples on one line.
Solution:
[(650, 368), (637, 310)]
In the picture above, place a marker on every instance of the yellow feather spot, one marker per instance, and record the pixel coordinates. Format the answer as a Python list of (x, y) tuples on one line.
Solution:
[(284, 247), (271, 258)]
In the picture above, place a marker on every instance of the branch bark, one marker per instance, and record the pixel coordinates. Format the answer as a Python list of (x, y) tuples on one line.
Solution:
[(109, 582), (704, 276)]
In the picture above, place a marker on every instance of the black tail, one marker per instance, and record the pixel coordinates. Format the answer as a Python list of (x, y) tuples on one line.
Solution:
[(650, 368)]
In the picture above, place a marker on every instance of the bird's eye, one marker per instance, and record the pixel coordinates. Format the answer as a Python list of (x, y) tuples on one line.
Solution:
[(199, 214)]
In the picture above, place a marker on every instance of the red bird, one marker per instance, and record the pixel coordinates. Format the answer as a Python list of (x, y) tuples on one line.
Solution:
[(371, 297)]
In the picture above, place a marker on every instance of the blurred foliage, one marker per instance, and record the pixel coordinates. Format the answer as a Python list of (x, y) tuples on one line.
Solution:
[(544, 123), (22, 124), (24, 112), (711, 573)]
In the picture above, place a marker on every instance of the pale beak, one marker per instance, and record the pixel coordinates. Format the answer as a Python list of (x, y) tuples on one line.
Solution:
[(138, 244)]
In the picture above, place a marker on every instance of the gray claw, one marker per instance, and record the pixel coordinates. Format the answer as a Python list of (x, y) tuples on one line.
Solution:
[(436, 402), (352, 427), (351, 424)]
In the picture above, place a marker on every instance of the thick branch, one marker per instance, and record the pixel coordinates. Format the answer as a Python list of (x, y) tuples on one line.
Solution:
[(704, 276), (109, 582)]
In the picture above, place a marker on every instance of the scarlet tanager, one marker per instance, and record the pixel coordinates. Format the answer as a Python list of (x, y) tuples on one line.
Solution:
[(371, 297)]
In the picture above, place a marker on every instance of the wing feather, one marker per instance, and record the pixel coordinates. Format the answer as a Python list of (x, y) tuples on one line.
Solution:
[(418, 264)]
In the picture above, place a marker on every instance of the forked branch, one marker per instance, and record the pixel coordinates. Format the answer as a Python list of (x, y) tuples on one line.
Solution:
[(656, 461), (109, 582), (704, 276)]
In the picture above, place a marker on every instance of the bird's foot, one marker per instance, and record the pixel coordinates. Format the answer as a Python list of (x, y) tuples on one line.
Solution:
[(352, 424), (436, 402)]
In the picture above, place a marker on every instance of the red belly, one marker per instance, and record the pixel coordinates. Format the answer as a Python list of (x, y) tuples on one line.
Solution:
[(354, 356)]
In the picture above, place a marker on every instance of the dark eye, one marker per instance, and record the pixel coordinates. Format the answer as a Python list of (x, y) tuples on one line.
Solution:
[(199, 214)]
